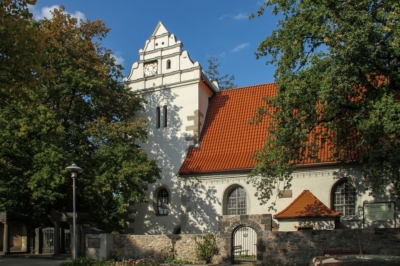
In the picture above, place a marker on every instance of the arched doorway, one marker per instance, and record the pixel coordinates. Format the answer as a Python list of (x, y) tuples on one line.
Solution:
[(244, 244)]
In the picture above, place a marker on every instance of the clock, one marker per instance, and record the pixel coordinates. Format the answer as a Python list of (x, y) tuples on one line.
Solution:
[(150, 69)]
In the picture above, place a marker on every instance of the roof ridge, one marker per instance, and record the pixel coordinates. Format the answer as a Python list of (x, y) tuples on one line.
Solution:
[(250, 86)]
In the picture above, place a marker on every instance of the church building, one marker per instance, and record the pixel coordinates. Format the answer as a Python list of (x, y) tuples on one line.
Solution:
[(204, 144)]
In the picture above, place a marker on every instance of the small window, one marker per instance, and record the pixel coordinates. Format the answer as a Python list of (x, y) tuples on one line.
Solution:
[(158, 117), (165, 115), (168, 64), (237, 202), (344, 198), (162, 202)]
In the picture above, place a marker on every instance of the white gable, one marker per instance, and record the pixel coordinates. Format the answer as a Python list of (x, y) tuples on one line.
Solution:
[(159, 30), (174, 66)]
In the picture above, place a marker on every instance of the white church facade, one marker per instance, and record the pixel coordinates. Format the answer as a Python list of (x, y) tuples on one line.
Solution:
[(204, 144)]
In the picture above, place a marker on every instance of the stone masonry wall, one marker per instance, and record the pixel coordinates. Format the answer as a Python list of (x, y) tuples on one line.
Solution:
[(159, 247), (296, 248)]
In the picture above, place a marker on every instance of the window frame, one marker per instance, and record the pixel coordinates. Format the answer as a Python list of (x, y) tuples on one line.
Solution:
[(165, 201), (158, 117), (241, 195), (344, 198), (165, 116)]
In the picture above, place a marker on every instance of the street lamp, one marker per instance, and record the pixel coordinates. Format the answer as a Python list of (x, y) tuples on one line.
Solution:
[(75, 170)]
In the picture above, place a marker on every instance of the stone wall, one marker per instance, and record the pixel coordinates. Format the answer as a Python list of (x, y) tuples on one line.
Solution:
[(296, 248), (159, 247)]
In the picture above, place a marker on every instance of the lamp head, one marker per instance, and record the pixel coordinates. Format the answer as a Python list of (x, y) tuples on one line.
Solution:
[(74, 169)]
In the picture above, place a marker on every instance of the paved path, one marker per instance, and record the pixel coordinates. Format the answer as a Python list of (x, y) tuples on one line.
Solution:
[(4, 261)]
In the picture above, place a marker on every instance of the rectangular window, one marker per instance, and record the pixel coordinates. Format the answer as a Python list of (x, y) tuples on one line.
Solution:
[(165, 115), (158, 117)]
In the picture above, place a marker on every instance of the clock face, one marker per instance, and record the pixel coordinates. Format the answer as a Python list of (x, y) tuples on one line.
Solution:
[(150, 69)]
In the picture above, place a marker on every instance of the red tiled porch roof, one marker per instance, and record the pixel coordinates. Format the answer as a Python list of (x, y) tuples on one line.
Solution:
[(306, 205)]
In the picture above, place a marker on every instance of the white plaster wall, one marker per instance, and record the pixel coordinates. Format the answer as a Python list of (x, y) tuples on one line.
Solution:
[(207, 194), (169, 146), (178, 88), (315, 224), (204, 95)]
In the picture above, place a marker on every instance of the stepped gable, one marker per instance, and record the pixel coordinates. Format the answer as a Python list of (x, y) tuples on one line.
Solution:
[(306, 205)]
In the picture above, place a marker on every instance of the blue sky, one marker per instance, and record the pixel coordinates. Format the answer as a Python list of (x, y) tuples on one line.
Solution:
[(208, 27)]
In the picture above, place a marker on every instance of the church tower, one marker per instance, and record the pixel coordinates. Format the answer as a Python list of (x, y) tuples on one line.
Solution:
[(177, 94)]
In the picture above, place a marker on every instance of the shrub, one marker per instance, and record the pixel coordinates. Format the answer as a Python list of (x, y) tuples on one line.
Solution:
[(87, 262), (137, 262), (177, 262), (93, 262), (206, 247)]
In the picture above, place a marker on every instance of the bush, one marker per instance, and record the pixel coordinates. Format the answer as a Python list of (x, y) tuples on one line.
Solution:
[(93, 262), (206, 248), (87, 262), (177, 262), (137, 262)]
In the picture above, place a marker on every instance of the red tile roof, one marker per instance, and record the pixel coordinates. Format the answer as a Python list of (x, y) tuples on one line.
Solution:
[(229, 142), (306, 205)]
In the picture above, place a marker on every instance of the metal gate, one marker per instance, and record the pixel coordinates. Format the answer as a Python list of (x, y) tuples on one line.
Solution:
[(244, 244), (48, 240)]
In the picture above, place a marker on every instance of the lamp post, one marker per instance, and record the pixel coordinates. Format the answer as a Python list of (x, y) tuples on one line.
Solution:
[(75, 170)]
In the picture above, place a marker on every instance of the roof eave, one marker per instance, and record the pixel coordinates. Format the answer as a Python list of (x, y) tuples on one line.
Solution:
[(238, 170), (308, 216)]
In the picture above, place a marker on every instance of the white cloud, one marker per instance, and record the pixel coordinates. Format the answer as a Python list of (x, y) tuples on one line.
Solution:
[(240, 47), (241, 16), (118, 59), (223, 16), (237, 17), (223, 54), (45, 12)]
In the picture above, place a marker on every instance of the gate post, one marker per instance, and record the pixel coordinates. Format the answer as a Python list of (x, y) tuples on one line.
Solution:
[(38, 241), (6, 238), (56, 238)]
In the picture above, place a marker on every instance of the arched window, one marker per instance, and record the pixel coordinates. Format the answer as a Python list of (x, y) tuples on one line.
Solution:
[(168, 64), (344, 198), (162, 202), (236, 202)]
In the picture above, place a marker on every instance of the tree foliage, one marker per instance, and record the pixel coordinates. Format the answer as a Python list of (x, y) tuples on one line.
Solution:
[(225, 81), (338, 83), (20, 49), (78, 111)]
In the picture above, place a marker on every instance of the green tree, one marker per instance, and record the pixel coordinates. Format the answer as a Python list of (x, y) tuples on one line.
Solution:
[(225, 81), (79, 112), (337, 84), (20, 49)]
